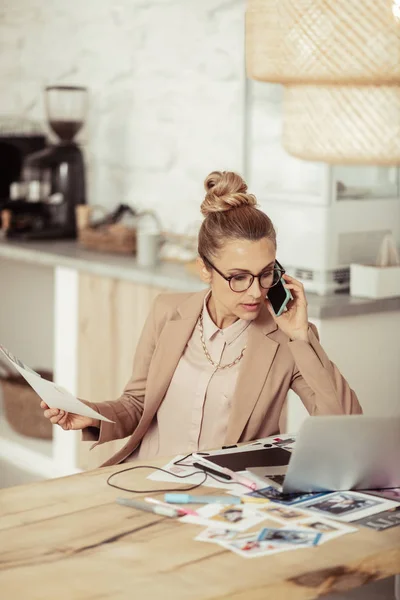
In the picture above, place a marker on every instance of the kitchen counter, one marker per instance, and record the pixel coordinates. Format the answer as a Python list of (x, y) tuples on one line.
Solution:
[(171, 276), (70, 254)]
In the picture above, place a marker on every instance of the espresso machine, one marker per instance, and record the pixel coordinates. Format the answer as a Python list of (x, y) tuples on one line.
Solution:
[(52, 182)]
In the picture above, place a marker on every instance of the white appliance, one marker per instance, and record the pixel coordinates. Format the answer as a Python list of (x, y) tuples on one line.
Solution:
[(319, 235)]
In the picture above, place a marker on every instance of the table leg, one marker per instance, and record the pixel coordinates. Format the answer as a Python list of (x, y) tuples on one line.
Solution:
[(397, 587)]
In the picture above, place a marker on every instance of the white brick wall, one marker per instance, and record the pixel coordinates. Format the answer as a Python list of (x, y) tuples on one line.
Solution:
[(167, 90)]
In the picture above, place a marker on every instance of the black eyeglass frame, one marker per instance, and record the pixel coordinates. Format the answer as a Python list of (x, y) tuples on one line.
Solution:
[(277, 267)]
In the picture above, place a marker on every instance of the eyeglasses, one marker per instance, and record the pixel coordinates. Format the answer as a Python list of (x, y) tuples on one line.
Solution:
[(243, 281)]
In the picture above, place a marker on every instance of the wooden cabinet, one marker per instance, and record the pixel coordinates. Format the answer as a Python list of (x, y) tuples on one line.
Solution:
[(111, 315)]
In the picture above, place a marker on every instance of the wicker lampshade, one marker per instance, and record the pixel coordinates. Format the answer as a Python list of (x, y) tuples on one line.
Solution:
[(347, 42), (345, 125)]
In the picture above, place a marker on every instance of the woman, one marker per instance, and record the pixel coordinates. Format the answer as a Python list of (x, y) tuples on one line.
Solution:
[(213, 368)]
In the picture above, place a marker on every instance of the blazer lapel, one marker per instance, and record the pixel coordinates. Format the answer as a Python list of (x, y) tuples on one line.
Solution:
[(170, 347), (256, 363)]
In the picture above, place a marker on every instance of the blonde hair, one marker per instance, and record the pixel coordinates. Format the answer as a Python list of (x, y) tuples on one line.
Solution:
[(230, 214)]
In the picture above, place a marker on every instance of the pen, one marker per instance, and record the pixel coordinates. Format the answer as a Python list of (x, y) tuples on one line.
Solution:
[(189, 499), (226, 473), (240, 479), (165, 511), (208, 469), (182, 511)]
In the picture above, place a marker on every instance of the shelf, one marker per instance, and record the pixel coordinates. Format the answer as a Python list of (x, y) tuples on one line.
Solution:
[(34, 445), (32, 455), (11, 475), (42, 458)]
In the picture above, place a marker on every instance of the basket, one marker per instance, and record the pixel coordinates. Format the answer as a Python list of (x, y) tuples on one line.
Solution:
[(22, 406), (114, 237), (347, 42), (110, 238), (342, 124)]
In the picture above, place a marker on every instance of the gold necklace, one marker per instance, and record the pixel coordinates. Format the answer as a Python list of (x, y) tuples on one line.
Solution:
[(206, 352)]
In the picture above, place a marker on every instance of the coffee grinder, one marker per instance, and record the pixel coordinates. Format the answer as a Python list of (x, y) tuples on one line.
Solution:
[(54, 178)]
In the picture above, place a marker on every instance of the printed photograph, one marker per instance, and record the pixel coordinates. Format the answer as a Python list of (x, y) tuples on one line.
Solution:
[(321, 526), (249, 547), (389, 494), (233, 517), (216, 535), (281, 512), (272, 493), (289, 536), (329, 530), (269, 493), (383, 520), (342, 504), (230, 515), (290, 499)]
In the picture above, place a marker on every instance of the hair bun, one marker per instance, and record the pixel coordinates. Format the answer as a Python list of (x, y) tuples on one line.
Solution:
[(225, 190)]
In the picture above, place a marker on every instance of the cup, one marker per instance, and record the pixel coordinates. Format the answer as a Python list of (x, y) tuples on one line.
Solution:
[(148, 246), (82, 212)]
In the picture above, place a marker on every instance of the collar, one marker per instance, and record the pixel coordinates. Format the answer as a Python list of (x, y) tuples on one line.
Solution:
[(193, 303), (230, 334)]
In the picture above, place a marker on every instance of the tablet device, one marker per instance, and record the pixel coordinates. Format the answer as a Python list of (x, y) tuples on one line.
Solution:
[(239, 461)]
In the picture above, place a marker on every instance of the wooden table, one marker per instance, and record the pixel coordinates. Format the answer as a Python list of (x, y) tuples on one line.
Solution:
[(67, 539)]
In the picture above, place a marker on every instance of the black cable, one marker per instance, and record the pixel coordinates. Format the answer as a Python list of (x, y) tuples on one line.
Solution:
[(178, 462), (192, 487)]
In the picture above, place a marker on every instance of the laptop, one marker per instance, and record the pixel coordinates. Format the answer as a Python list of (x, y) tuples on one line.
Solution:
[(336, 453)]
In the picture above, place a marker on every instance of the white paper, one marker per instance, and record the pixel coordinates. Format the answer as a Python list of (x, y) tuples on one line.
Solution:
[(348, 506), (246, 545), (329, 529), (54, 395), (235, 517), (175, 472)]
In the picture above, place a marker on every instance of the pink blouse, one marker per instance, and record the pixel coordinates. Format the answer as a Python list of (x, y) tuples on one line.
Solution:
[(195, 411)]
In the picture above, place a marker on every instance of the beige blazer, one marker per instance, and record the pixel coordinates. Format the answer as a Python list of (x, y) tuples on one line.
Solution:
[(271, 365)]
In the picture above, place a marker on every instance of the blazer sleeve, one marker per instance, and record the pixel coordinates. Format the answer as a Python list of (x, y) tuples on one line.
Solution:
[(126, 412), (318, 382)]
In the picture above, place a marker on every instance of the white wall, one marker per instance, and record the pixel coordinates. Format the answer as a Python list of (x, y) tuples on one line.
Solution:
[(271, 170), (167, 90)]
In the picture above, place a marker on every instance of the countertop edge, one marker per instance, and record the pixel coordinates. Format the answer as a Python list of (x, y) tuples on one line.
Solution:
[(170, 276)]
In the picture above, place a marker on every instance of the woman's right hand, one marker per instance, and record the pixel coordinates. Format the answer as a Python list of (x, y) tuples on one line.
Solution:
[(67, 420)]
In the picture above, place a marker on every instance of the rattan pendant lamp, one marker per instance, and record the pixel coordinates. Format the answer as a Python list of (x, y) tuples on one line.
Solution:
[(340, 63)]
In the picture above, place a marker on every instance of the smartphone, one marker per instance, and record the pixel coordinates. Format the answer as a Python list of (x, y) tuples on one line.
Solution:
[(279, 296)]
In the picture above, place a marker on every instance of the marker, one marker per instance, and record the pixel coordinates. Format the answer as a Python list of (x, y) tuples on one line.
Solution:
[(182, 511), (254, 500), (241, 479), (189, 499), (164, 511)]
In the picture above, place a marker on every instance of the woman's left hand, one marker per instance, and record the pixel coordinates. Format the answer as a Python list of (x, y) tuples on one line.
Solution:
[(293, 321)]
